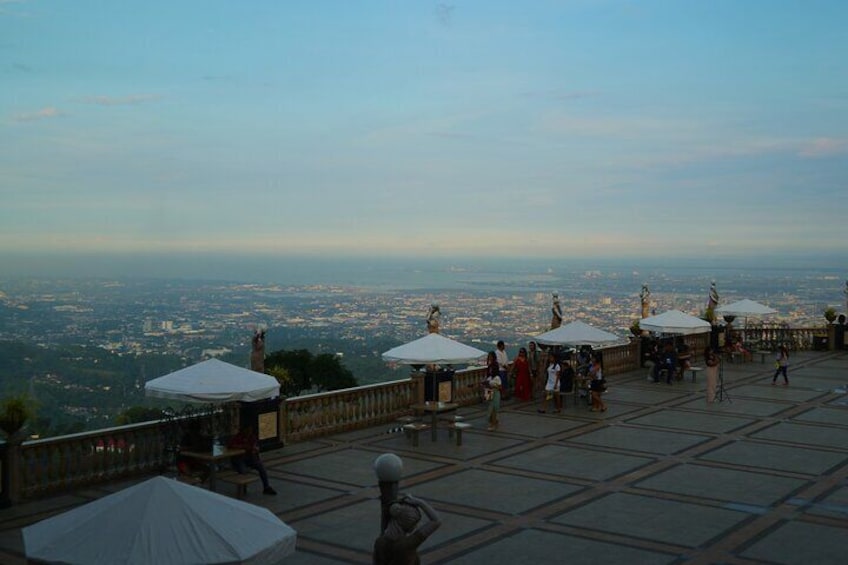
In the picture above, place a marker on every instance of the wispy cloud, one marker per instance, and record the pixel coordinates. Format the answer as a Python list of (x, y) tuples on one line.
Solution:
[(560, 94), (130, 100), (824, 147), (43, 114)]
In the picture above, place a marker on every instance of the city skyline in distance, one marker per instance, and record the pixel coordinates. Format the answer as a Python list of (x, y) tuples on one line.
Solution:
[(483, 129)]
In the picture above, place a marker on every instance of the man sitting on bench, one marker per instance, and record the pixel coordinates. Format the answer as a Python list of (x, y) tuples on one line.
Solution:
[(245, 439)]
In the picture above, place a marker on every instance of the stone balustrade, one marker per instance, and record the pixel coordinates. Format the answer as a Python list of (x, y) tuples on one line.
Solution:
[(56, 464)]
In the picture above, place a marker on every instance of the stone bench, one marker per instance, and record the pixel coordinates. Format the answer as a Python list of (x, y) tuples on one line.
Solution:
[(457, 427), (240, 480), (413, 430)]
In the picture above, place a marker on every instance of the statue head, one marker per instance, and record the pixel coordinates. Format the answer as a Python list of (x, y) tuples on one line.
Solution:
[(406, 515)]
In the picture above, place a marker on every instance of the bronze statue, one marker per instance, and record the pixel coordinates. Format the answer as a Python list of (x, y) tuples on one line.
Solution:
[(257, 355), (399, 542), (433, 319), (712, 302), (645, 297), (556, 312)]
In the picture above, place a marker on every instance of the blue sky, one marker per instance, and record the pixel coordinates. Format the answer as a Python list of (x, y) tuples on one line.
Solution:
[(484, 128)]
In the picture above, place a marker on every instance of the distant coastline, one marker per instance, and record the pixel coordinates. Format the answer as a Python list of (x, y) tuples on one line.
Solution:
[(401, 273)]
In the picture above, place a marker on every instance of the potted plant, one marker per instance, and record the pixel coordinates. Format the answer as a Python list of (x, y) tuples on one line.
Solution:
[(830, 314), (15, 412), (634, 328)]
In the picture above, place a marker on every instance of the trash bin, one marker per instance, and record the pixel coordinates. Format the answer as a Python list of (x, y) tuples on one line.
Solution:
[(438, 386), (263, 417)]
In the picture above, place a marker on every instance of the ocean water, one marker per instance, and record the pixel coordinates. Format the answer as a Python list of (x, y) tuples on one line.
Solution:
[(805, 285)]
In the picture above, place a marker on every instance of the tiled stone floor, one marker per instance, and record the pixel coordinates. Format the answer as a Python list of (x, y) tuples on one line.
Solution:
[(662, 477)]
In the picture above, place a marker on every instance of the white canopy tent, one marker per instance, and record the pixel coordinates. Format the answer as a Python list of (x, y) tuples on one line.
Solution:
[(674, 322), (213, 381), (433, 349), (575, 334), (745, 308), (165, 522)]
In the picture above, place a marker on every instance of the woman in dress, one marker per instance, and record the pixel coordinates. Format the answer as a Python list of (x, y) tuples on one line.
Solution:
[(781, 365), (596, 385), (521, 373), (552, 384), (711, 360), (492, 389)]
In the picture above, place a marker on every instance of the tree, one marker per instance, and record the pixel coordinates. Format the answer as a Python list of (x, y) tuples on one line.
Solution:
[(299, 371), (135, 414)]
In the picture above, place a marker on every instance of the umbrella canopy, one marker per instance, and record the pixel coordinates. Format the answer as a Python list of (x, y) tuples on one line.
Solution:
[(433, 349), (213, 381), (165, 522), (674, 322), (745, 307), (575, 334)]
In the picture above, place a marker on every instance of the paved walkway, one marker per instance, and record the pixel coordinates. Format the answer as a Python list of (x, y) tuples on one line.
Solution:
[(661, 477)]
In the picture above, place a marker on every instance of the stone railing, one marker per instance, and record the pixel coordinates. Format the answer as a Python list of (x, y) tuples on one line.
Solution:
[(771, 337), (62, 463), (66, 462), (327, 413)]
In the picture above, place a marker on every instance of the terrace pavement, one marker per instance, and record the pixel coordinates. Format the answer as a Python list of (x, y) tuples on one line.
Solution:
[(661, 477)]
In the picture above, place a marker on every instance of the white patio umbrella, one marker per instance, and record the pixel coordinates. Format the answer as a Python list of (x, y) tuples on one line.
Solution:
[(745, 308), (575, 334), (674, 322), (165, 522), (214, 381), (433, 349)]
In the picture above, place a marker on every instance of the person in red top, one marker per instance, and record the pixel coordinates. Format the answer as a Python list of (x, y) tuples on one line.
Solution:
[(521, 371), (245, 439)]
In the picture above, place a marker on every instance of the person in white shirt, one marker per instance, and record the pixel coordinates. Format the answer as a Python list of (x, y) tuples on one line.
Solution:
[(552, 384), (503, 367)]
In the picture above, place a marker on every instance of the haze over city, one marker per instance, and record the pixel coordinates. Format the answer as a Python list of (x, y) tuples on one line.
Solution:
[(577, 129)]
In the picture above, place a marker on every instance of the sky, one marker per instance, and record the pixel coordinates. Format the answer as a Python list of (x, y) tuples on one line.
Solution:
[(573, 128)]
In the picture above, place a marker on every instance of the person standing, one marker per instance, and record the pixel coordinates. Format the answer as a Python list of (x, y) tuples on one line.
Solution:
[(552, 384), (781, 365), (503, 367), (566, 381), (533, 359), (492, 390), (711, 360), (597, 385), (521, 372)]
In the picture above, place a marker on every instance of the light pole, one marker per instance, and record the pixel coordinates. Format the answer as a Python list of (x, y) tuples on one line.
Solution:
[(389, 469)]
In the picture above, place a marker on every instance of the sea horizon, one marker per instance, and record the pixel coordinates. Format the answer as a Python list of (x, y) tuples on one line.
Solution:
[(396, 272)]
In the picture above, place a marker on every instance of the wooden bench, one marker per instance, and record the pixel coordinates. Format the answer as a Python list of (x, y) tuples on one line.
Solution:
[(695, 371), (240, 480), (404, 421), (457, 427), (412, 431)]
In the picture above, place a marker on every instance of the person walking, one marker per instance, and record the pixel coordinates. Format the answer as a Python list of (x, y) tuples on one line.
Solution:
[(503, 367), (711, 360), (552, 384), (492, 390), (521, 373), (781, 365)]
